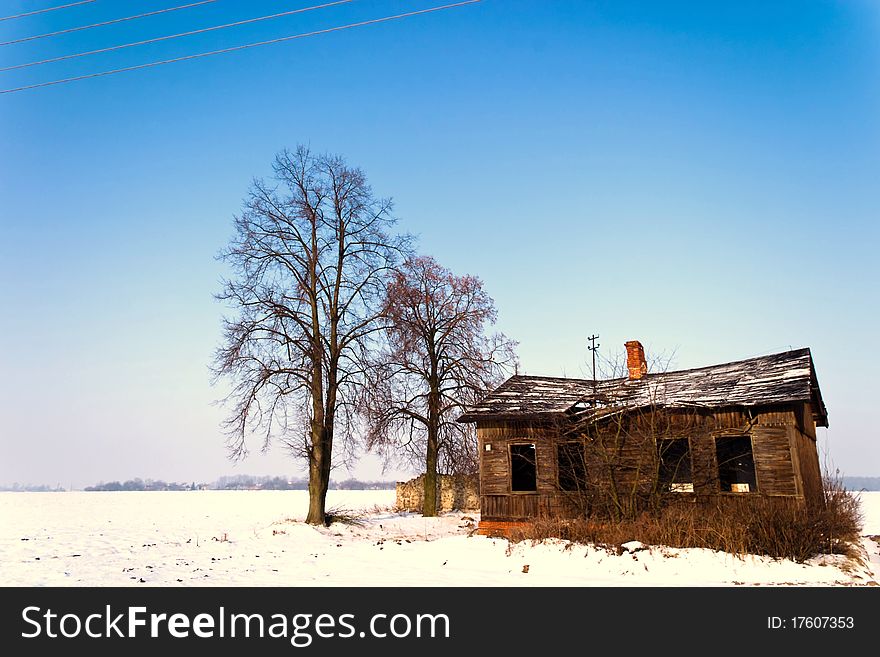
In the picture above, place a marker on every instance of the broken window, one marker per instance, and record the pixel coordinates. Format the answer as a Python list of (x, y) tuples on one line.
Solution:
[(674, 472), (523, 468), (736, 464), (572, 471)]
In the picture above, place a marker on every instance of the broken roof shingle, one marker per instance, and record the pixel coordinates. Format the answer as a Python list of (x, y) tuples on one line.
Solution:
[(778, 378)]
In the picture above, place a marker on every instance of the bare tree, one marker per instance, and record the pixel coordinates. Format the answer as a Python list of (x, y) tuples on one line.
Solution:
[(310, 260), (438, 359)]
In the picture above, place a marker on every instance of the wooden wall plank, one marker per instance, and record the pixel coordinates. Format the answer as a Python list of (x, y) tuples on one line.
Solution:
[(786, 462)]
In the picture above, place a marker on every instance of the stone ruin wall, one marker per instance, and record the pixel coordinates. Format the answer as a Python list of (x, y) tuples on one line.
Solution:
[(457, 493)]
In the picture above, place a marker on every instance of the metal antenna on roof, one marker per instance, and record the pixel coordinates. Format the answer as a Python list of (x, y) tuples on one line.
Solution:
[(593, 346)]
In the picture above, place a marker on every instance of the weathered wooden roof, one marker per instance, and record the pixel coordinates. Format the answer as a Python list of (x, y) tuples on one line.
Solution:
[(775, 379)]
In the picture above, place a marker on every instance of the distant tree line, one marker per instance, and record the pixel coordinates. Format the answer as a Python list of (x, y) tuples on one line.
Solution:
[(29, 488), (249, 482), (142, 484), (862, 483), (234, 482)]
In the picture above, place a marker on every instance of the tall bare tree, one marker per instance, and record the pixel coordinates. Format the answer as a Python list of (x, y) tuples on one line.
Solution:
[(310, 260), (437, 360)]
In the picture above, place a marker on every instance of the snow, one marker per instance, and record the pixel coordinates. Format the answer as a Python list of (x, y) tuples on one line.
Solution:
[(257, 538), (633, 546)]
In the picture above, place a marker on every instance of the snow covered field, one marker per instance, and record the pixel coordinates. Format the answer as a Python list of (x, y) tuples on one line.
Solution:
[(256, 538)]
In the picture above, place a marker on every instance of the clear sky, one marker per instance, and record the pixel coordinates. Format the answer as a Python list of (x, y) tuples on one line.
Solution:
[(700, 176)]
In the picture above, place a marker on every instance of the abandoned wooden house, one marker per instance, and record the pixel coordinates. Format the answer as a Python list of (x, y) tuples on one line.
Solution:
[(561, 447)]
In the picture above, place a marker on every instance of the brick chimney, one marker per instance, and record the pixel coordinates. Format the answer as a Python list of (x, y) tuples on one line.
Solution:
[(635, 360)]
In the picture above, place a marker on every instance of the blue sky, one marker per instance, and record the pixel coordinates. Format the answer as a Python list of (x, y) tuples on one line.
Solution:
[(698, 176)]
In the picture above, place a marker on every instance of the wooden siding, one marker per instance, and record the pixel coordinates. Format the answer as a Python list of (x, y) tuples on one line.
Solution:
[(786, 463), (704, 465), (811, 473), (773, 467), (495, 463), (523, 507), (809, 470), (508, 507)]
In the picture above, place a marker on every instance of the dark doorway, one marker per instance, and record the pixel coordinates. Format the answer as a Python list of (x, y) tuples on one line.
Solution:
[(523, 468)]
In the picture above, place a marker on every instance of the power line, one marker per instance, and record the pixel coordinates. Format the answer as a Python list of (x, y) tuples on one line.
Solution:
[(243, 47), (80, 28), (173, 36), (43, 11)]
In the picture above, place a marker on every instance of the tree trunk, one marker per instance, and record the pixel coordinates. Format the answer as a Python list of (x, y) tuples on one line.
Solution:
[(317, 497), (320, 459), (319, 477), (320, 451), (430, 502)]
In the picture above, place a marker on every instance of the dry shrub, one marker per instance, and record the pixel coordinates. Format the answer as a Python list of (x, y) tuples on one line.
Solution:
[(842, 517), (774, 527), (355, 518)]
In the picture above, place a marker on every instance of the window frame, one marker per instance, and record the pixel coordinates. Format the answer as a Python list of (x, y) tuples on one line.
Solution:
[(669, 486), (752, 489), (582, 448), (510, 457)]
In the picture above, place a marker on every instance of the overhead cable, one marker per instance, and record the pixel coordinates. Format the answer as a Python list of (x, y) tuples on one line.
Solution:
[(173, 36), (43, 11), (80, 28), (242, 47)]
